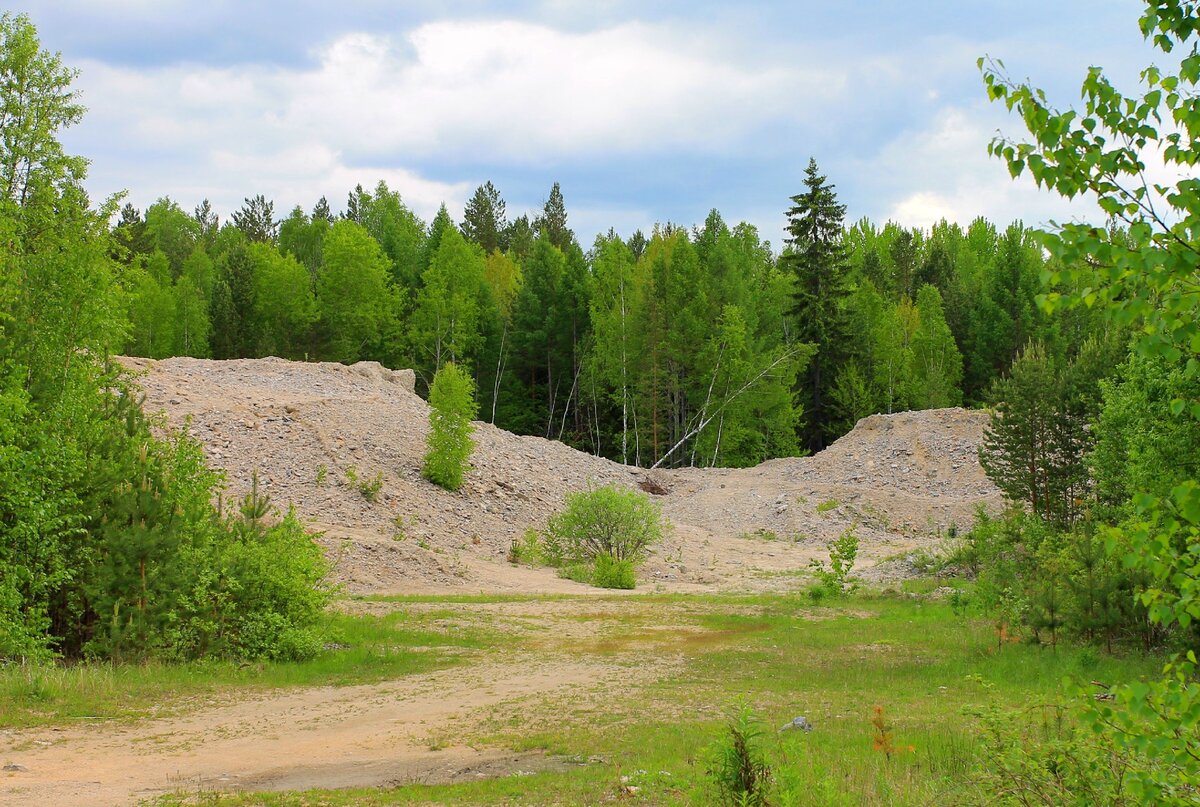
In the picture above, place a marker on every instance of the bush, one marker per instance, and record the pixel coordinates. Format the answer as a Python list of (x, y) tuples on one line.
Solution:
[(834, 578), (452, 408), (618, 522), (604, 571), (608, 572)]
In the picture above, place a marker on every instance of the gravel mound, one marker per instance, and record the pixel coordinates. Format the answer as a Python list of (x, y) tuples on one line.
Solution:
[(308, 430)]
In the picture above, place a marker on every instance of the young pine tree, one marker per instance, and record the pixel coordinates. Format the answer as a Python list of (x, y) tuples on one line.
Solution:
[(452, 408)]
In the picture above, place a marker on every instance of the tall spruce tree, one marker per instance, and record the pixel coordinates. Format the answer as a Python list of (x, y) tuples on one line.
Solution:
[(209, 223), (519, 237), (553, 220), (484, 220), (321, 210), (256, 219), (817, 258)]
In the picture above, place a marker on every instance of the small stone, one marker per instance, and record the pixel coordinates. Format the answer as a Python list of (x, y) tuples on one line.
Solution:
[(13, 767), (797, 724)]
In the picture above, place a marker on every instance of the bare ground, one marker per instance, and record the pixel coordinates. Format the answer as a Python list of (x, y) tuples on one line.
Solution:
[(422, 728)]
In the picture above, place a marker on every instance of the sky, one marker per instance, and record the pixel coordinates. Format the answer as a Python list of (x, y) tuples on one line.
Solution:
[(644, 112)]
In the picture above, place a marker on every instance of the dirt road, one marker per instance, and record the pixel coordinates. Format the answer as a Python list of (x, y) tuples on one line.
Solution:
[(422, 728)]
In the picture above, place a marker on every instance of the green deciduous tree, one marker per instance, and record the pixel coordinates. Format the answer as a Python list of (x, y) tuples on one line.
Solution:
[(1147, 276), (451, 306), (37, 101), (354, 294), (936, 373), (109, 541), (399, 231), (173, 232), (452, 407), (284, 305)]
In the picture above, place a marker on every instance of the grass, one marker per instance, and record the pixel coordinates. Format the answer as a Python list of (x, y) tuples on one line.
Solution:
[(361, 649), (826, 506), (783, 657)]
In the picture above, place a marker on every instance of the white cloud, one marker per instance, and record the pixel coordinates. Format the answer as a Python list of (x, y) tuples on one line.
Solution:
[(944, 171), (470, 92)]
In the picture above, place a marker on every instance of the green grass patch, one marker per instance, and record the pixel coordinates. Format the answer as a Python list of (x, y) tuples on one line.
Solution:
[(360, 649), (784, 657)]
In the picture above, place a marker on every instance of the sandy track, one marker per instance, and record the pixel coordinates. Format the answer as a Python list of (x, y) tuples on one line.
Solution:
[(421, 728), (329, 737)]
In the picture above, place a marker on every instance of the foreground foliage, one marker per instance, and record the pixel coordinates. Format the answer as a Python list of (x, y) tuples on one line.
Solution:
[(110, 544), (655, 741), (1143, 277)]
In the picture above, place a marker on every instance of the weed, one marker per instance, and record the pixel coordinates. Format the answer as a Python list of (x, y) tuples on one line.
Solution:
[(739, 769), (403, 524), (826, 506), (835, 577), (761, 535), (526, 549), (322, 472), (369, 488)]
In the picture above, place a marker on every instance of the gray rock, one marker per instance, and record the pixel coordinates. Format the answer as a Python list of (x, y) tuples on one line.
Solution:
[(14, 767), (798, 724)]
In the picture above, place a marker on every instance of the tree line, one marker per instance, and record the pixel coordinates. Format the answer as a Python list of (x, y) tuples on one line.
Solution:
[(698, 346)]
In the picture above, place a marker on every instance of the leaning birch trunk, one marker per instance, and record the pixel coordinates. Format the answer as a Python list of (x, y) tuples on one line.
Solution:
[(704, 423)]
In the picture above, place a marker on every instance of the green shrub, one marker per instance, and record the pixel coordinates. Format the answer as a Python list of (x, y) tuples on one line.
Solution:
[(834, 577), (579, 572), (608, 572), (610, 520), (452, 408)]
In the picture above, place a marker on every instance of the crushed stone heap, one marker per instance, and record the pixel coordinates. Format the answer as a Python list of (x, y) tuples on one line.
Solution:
[(308, 430)]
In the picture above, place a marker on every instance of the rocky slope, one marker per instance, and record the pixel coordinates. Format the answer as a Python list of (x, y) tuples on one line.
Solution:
[(309, 429)]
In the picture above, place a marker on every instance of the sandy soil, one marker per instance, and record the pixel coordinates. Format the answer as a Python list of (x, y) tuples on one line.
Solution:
[(421, 728)]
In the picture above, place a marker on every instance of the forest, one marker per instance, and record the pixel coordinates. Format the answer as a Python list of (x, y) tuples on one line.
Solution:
[(698, 346), (701, 346)]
